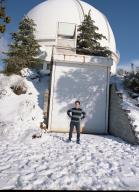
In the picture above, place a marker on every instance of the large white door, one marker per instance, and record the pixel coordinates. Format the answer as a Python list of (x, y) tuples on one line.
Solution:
[(86, 83)]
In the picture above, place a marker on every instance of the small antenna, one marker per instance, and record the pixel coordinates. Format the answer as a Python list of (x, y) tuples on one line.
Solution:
[(132, 67)]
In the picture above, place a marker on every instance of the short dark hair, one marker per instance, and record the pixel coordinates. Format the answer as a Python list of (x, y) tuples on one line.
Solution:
[(77, 102)]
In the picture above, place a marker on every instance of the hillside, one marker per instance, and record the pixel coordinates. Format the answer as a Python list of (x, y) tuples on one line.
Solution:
[(20, 115)]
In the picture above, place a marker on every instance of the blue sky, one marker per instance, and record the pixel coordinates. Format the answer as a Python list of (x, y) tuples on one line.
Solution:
[(123, 17)]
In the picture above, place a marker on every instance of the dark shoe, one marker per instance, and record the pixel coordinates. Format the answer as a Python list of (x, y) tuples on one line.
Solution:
[(69, 140), (78, 142)]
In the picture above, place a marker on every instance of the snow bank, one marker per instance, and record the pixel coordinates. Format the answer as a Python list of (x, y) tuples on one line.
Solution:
[(20, 115)]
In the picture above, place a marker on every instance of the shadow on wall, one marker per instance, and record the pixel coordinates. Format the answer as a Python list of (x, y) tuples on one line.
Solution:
[(87, 84)]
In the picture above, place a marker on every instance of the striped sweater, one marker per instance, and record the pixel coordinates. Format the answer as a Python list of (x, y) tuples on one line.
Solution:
[(76, 114)]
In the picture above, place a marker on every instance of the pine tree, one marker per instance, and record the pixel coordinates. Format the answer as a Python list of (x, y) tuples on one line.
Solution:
[(24, 49), (4, 19), (131, 82), (88, 39)]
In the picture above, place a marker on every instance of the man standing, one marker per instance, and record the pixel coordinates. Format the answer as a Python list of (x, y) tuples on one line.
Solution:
[(76, 114)]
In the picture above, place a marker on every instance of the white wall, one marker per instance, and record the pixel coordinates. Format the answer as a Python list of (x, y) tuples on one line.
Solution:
[(114, 68), (84, 82)]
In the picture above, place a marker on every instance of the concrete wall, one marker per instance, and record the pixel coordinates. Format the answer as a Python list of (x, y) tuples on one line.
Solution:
[(46, 103), (87, 82), (120, 124), (63, 42)]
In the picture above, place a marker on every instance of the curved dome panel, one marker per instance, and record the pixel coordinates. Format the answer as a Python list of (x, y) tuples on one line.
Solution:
[(47, 15)]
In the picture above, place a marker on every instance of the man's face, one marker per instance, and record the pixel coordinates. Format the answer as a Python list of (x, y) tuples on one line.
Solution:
[(77, 105)]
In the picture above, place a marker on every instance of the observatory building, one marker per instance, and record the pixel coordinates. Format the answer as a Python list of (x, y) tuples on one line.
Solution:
[(73, 76), (57, 22)]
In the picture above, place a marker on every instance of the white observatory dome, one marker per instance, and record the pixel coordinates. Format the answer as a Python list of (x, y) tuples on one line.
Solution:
[(47, 14)]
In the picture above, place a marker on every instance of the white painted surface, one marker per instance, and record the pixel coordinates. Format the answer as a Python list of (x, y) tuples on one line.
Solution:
[(66, 29), (114, 68), (69, 43), (47, 15), (99, 61), (85, 82)]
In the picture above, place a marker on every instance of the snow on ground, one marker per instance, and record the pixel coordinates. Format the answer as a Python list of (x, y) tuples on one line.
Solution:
[(99, 162), (128, 103)]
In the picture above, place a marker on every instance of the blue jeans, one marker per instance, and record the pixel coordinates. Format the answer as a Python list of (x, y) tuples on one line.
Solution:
[(77, 125)]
